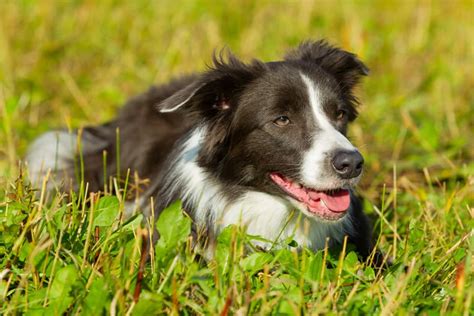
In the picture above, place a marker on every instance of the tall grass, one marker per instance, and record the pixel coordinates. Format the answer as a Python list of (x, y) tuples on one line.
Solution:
[(73, 63)]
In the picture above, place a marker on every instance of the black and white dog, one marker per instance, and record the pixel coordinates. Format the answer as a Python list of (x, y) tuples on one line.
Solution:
[(260, 145)]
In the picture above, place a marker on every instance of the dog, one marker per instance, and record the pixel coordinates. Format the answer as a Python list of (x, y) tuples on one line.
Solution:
[(262, 145)]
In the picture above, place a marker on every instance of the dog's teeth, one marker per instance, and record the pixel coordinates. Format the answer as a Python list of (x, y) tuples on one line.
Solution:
[(322, 203), (297, 185)]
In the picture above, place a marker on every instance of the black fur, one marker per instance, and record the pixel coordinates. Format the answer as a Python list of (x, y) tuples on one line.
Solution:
[(238, 103)]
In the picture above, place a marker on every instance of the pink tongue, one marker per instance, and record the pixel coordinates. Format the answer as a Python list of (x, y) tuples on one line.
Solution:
[(337, 202)]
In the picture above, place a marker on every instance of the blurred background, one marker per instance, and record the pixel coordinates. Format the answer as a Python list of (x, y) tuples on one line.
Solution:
[(74, 63)]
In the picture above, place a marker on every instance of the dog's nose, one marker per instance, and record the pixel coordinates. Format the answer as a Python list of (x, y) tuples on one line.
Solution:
[(347, 164)]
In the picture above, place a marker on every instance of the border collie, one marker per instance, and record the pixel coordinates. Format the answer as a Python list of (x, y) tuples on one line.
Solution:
[(261, 144)]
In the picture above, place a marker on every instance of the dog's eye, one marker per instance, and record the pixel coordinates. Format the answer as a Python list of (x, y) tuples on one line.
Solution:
[(281, 121), (341, 114)]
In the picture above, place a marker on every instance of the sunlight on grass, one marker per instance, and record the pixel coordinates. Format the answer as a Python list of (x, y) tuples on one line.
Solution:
[(72, 64)]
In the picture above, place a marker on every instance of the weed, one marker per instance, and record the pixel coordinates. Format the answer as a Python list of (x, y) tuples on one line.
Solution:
[(70, 64)]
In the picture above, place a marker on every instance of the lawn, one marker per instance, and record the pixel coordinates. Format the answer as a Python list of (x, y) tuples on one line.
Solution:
[(74, 63)]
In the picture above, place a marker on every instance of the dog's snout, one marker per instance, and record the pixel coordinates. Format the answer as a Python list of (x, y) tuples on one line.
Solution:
[(347, 164)]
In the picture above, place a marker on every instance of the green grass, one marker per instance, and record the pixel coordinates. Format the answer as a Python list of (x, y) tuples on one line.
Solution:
[(72, 63)]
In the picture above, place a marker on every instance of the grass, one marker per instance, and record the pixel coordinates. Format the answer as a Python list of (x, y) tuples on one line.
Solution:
[(72, 63)]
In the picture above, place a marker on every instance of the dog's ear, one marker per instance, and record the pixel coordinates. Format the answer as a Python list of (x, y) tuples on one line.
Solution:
[(215, 90), (344, 66), (180, 98), (213, 97)]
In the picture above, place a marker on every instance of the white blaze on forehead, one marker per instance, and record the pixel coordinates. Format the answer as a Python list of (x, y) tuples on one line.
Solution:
[(326, 140)]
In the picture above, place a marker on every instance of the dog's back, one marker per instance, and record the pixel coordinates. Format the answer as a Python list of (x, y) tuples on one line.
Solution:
[(146, 137)]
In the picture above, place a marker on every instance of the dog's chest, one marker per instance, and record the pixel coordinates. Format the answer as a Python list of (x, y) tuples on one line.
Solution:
[(276, 220)]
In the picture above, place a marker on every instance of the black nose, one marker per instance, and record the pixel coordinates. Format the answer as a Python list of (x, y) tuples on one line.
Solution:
[(347, 164)]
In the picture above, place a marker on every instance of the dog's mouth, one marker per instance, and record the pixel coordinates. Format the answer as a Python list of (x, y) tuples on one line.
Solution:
[(328, 205)]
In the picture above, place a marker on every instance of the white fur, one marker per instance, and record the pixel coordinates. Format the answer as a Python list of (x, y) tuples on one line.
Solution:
[(138, 205), (265, 215), (276, 219), (327, 140), (199, 189), (51, 152)]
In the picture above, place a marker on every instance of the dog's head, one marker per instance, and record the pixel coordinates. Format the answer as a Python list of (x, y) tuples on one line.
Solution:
[(279, 127)]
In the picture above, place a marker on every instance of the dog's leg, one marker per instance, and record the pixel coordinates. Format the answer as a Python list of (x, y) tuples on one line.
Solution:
[(361, 235)]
